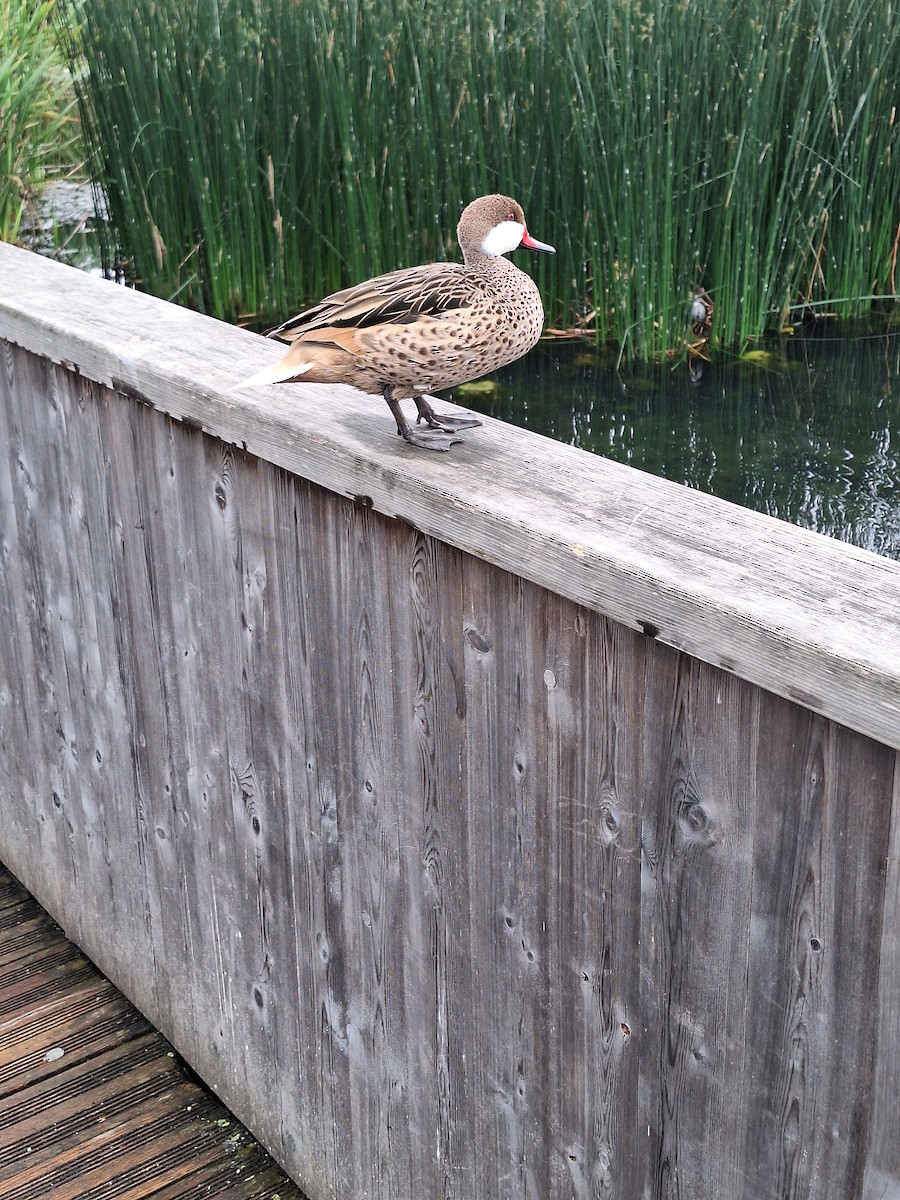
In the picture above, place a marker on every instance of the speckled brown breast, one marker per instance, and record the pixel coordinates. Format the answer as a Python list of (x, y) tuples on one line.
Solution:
[(430, 353)]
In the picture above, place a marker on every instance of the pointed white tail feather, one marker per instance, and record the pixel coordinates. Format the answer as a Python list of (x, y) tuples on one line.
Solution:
[(276, 373)]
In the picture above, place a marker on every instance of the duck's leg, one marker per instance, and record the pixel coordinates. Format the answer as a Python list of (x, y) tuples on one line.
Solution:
[(430, 439), (441, 420)]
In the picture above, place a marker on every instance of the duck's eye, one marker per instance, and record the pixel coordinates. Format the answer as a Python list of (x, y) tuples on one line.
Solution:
[(511, 216)]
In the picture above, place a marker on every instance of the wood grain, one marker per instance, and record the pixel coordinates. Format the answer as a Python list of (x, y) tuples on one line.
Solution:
[(448, 884), (819, 862), (802, 615), (700, 746), (882, 1169)]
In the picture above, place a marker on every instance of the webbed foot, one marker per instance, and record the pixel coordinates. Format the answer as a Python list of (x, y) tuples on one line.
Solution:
[(442, 420), (429, 439), (437, 437)]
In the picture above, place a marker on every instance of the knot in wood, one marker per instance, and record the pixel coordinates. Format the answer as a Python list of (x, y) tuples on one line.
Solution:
[(694, 821), (609, 824), (478, 641)]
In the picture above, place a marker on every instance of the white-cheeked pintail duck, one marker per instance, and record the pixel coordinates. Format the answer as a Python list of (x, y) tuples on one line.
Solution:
[(422, 329)]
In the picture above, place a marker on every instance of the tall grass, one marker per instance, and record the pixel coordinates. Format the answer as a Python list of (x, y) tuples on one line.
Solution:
[(36, 103), (258, 153)]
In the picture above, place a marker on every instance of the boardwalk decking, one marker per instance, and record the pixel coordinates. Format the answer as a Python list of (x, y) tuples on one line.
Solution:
[(94, 1104)]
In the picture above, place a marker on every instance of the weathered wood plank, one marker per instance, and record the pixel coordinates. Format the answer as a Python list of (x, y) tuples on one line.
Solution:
[(701, 739), (824, 815), (583, 921), (882, 1171), (801, 615)]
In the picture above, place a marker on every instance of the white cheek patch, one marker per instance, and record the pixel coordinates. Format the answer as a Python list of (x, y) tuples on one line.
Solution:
[(503, 238)]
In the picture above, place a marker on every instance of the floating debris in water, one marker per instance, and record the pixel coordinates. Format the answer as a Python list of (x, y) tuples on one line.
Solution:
[(477, 387), (769, 359)]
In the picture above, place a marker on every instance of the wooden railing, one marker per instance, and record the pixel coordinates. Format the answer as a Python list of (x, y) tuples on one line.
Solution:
[(504, 823)]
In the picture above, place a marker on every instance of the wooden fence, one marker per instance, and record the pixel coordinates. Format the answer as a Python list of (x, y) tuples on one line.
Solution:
[(499, 824)]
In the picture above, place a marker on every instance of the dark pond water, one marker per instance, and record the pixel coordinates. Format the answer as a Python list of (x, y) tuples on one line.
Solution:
[(810, 435)]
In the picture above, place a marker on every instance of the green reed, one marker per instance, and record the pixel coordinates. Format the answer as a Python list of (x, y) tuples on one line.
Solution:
[(37, 127), (258, 153)]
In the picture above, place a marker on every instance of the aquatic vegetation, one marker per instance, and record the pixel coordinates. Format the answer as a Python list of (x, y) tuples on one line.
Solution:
[(36, 103), (257, 154)]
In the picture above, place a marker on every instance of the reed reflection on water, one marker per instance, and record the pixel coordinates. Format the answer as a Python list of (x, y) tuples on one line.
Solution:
[(810, 435)]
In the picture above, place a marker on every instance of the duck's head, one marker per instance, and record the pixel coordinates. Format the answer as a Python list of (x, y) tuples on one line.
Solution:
[(495, 225)]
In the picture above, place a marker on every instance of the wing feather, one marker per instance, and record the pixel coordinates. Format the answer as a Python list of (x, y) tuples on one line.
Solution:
[(397, 297)]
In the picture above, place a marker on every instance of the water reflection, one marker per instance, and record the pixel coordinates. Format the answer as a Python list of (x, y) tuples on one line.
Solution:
[(810, 434)]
